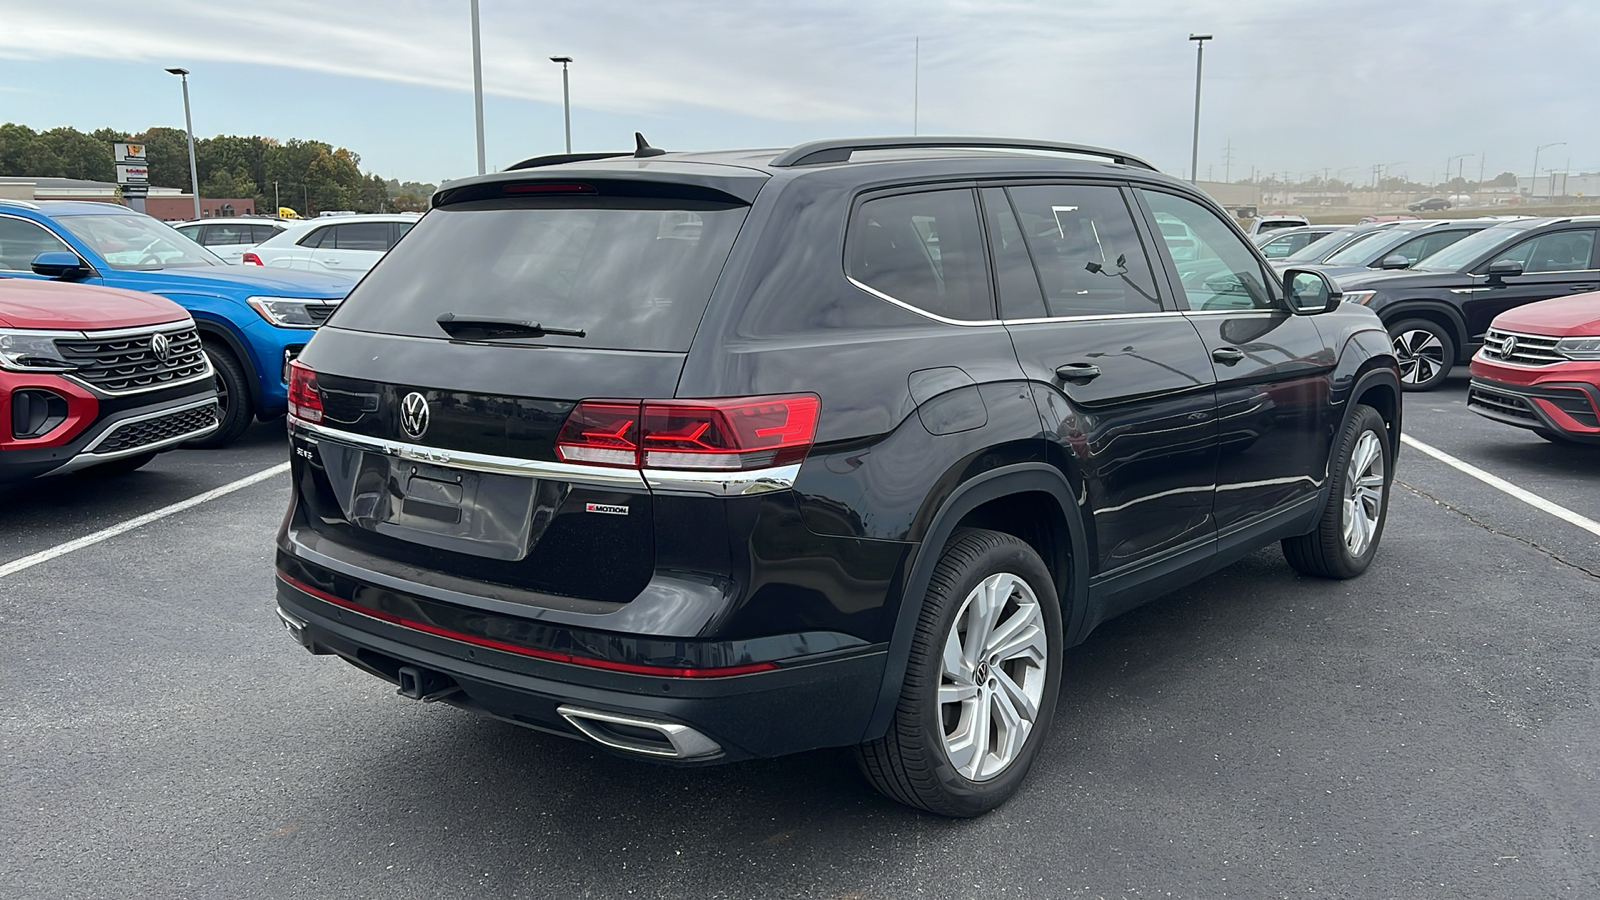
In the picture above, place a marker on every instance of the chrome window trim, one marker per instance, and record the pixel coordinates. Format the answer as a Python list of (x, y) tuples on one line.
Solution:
[(973, 323), (88, 457), (604, 476), (723, 484), (1238, 312)]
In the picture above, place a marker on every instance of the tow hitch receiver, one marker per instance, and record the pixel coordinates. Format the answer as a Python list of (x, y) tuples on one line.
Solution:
[(421, 684)]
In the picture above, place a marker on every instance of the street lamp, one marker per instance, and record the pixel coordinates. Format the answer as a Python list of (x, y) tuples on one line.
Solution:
[(1199, 62), (188, 123), (477, 85), (1448, 161), (1534, 182), (566, 97)]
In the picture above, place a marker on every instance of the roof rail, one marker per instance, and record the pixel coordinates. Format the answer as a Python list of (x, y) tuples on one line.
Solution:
[(22, 203), (557, 159), (819, 152)]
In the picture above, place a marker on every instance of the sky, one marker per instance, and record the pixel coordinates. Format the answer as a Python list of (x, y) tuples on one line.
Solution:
[(1296, 86)]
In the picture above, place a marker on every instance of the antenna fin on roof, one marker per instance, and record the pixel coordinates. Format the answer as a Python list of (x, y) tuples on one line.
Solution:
[(642, 148)]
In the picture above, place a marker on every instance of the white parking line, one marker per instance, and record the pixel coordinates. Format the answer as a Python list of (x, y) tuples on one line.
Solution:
[(1500, 484), (28, 562)]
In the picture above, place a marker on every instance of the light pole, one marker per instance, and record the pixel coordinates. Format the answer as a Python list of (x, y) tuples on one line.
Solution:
[(1199, 63), (188, 124), (1534, 182), (1447, 164), (566, 97), (477, 85)]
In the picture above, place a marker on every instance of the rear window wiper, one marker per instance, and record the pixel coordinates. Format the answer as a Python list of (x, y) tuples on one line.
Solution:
[(488, 329)]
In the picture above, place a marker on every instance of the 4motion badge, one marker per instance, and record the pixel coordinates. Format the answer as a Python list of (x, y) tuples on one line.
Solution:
[(610, 509)]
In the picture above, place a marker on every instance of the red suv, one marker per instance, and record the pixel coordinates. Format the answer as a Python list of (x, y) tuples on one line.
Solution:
[(93, 376), (1540, 369)]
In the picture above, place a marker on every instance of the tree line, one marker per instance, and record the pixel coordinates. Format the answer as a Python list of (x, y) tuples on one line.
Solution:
[(306, 176)]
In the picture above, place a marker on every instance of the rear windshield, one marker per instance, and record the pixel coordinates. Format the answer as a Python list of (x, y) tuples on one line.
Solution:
[(631, 274)]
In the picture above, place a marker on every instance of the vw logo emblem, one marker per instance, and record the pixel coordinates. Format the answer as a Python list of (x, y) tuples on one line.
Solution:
[(414, 415), (1509, 347), (161, 347)]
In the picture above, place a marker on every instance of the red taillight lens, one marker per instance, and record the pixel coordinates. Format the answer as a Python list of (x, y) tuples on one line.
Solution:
[(250, 259), (725, 435), (747, 433), (601, 432), (305, 399)]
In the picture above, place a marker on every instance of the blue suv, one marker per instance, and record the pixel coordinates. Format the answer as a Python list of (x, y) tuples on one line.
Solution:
[(252, 320)]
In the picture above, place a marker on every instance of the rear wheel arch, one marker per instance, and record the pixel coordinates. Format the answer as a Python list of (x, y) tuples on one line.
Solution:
[(985, 501)]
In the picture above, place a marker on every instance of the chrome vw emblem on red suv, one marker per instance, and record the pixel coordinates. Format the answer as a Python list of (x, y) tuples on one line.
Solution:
[(414, 415), (161, 347)]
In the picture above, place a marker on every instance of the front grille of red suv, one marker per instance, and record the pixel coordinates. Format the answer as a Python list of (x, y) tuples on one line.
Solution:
[(129, 362), (1522, 349)]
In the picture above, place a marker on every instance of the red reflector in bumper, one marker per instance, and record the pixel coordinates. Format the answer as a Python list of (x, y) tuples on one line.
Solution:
[(548, 655)]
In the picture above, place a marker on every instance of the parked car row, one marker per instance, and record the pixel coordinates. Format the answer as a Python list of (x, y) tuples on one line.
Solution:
[(248, 322)]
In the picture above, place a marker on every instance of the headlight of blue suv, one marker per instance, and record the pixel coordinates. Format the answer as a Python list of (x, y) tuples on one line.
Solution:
[(290, 312), (34, 351), (1579, 347)]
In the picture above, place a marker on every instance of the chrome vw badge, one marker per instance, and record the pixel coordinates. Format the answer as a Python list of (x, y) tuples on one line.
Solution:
[(414, 415), (1509, 346), (161, 347)]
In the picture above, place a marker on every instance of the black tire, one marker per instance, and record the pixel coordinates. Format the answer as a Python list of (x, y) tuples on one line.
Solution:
[(1426, 351), (1324, 553), (910, 763), (120, 466), (233, 397)]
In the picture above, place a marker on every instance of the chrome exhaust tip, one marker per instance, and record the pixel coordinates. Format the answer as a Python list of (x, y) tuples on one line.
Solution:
[(646, 737)]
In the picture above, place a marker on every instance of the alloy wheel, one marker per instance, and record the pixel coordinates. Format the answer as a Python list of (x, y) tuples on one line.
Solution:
[(1363, 494), (992, 676), (1420, 354)]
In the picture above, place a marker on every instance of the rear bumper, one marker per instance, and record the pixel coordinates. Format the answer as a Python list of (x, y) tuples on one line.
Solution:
[(795, 704), (1563, 399)]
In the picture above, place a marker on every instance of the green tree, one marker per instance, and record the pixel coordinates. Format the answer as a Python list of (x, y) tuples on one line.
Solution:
[(1504, 179), (167, 156)]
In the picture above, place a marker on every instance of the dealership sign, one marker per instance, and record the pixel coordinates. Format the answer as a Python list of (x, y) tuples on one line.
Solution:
[(132, 174)]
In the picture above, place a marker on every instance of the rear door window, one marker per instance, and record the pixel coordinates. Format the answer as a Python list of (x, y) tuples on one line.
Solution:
[(1086, 249), (924, 250), (631, 273)]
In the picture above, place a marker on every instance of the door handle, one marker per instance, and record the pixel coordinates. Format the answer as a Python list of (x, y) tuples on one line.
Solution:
[(1227, 355), (1078, 373), (1581, 288)]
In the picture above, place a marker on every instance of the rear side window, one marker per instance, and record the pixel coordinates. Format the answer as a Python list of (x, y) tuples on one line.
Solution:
[(358, 236), (259, 233), (632, 274), (316, 237), (924, 250), (1087, 250)]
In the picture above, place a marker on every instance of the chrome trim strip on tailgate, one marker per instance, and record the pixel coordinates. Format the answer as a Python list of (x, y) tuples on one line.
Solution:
[(603, 476)]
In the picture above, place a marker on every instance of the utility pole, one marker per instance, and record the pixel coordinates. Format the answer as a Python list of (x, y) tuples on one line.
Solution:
[(1227, 162), (275, 204), (477, 87), (1199, 62)]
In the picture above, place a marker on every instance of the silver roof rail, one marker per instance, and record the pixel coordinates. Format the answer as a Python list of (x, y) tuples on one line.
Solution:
[(835, 151), (7, 201)]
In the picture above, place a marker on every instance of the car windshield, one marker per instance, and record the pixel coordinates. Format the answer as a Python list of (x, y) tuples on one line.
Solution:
[(1469, 248), (137, 242), (628, 275), (1359, 251), (1317, 249)]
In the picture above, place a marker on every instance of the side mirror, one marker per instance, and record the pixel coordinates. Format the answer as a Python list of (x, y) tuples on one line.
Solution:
[(1310, 292), (63, 264), (1395, 261), (1501, 269)]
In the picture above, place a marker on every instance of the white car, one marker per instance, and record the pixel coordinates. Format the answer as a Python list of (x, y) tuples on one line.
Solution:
[(1273, 223), (349, 245), (230, 237)]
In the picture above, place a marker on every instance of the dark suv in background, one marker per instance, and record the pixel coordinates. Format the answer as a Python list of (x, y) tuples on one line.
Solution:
[(1438, 311), (710, 456)]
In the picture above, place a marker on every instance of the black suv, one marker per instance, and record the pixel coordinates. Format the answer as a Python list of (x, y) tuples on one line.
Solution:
[(1438, 311), (710, 456)]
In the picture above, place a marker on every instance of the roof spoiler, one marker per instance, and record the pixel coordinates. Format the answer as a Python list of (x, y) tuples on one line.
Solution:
[(641, 150)]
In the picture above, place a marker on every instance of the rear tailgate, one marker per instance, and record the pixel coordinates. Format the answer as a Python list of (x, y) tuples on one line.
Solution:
[(436, 448)]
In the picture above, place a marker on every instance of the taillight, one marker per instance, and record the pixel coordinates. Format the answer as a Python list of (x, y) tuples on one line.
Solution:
[(250, 259), (305, 399), (725, 435)]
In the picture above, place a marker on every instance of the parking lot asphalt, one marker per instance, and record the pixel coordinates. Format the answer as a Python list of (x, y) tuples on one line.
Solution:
[(1428, 730)]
